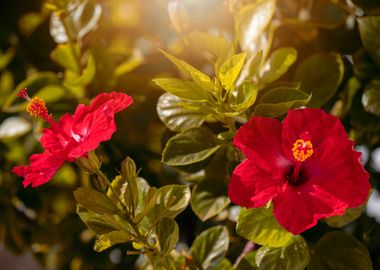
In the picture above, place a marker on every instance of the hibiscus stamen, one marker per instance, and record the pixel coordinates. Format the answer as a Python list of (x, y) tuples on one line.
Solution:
[(302, 150), (36, 107)]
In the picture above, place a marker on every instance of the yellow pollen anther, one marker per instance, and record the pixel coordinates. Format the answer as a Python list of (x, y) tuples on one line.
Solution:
[(37, 107), (302, 150)]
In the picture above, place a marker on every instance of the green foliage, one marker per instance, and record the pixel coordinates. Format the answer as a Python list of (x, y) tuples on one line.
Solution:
[(260, 226), (128, 210), (190, 146), (183, 89), (230, 70), (109, 239), (320, 74), (66, 56), (279, 100), (337, 250), (215, 45), (293, 256), (349, 216), (251, 21), (369, 32), (180, 114), (6, 58), (33, 84), (210, 247), (208, 198), (95, 201), (68, 51), (371, 96), (278, 64), (201, 79)]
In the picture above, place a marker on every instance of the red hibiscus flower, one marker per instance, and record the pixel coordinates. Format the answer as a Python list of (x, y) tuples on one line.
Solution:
[(73, 136), (306, 165)]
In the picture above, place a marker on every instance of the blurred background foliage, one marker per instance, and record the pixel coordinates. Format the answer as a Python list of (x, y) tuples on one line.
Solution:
[(323, 53)]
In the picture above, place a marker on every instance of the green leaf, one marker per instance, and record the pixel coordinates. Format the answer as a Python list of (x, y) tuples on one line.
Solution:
[(251, 21), (51, 93), (248, 262), (320, 74), (171, 200), (209, 199), (73, 78), (6, 58), (95, 201), (130, 64), (293, 256), (33, 83), (371, 96), (278, 64), (278, 101), (29, 22), (179, 114), (6, 84), (210, 247), (167, 233), (225, 264), (251, 68), (229, 71), (369, 28), (112, 238), (66, 55), (188, 147), (131, 192), (98, 224), (349, 215), (339, 251), (216, 45), (197, 76), (116, 194), (150, 200), (245, 97), (182, 89), (82, 19), (260, 226)]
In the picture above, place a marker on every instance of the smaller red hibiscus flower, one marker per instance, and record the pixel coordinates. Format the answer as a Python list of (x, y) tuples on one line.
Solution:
[(73, 136), (306, 165)]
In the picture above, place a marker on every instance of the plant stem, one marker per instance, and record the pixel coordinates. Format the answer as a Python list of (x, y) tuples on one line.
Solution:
[(247, 248), (70, 41), (126, 215)]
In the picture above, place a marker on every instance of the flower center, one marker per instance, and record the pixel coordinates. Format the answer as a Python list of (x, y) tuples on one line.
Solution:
[(36, 107), (302, 150)]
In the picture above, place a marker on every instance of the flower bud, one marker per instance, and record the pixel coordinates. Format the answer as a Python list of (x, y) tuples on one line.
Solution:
[(90, 164)]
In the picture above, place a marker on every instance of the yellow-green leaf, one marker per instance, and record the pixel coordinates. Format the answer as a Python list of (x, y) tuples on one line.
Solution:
[(182, 89), (260, 226), (229, 71)]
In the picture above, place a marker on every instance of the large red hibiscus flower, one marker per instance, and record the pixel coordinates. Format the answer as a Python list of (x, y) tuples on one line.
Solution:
[(73, 136), (306, 165)]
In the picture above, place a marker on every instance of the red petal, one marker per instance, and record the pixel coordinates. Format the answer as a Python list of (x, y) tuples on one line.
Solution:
[(335, 168), (41, 169), (260, 138), (108, 102), (57, 137), (316, 122), (95, 123), (254, 183), (299, 208)]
